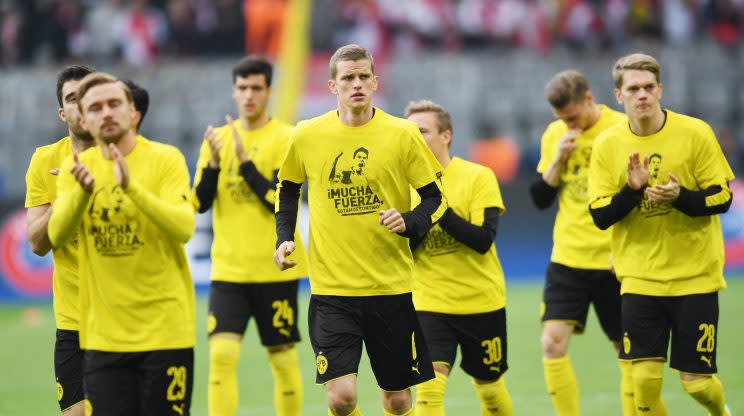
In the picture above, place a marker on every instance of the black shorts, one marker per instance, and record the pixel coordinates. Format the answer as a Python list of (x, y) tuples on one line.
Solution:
[(569, 291), (68, 368), (692, 321), (152, 383), (274, 305), (387, 325), (481, 337)]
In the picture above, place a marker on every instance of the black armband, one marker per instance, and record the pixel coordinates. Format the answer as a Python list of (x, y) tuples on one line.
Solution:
[(286, 213), (542, 193), (206, 189), (694, 203), (622, 203)]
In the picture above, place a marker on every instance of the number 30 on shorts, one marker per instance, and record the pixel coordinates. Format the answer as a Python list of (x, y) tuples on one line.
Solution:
[(707, 341), (492, 350)]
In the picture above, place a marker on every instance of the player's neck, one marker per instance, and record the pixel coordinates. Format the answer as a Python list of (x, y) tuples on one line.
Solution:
[(125, 144), (444, 159), (80, 145), (355, 119), (648, 126), (596, 113), (254, 123)]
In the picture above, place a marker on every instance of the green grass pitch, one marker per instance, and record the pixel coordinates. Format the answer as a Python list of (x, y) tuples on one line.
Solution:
[(27, 381)]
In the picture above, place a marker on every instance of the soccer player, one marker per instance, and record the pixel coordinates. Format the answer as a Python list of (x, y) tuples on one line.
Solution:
[(579, 273), (237, 172), (361, 268), (667, 242), (459, 290), (141, 99), (41, 190), (128, 199)]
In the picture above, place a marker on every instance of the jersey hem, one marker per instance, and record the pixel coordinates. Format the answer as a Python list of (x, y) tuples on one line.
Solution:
[(227, 280), (357, 293), (106, 348), (605, 266), (458, 312)]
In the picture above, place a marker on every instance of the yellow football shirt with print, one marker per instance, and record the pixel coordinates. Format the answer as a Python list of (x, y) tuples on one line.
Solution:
[(41, 188), (136, 292), (353, 173), (450, 276), (244, 228), (577, 242), (658, 250)]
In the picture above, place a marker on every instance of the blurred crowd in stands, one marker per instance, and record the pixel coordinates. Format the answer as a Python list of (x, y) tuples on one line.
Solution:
[(138, 31)]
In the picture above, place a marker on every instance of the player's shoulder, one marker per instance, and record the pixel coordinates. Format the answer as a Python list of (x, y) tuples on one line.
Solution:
[(321, 121), (614, 132), (281, 125), (392, 122), (555, 130), (158, 149), (611, 114), (468, 167), (677, 120), (58, 150)]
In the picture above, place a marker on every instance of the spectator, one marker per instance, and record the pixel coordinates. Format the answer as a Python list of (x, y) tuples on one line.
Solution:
[(264, 21), (141, 32), (102, 43)]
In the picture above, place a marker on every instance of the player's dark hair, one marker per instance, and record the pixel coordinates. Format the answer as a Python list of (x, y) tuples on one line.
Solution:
[(141, 99), (253, 65), (566, 87), (71, 73)]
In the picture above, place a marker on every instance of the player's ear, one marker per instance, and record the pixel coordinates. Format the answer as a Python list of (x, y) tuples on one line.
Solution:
[(81, 122), (61, 113), (661, 90), (375, 81), (616, 92), (332, 87), (447, 137), (588, 97)]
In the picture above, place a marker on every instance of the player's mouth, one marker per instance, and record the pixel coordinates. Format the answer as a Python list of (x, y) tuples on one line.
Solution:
[(358, 96), (109, 125), (249, 107)]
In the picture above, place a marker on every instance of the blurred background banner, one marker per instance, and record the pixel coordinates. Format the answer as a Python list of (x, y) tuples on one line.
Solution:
[(486, 61)]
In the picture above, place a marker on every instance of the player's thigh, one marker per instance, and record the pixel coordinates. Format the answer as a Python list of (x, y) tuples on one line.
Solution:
[(441, 337), (166, 381), (68, 369), (336, 336), (695, 333), (483, 341), (607, 303), (229, 307), (646, 327), (111, 385), (274, 306), (395, 342), (566, 296)]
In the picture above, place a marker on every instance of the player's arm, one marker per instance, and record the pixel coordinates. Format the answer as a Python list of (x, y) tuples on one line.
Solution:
[(169, 209), (205, 183), (291, 176), (710, 201), (608, 210), (263, 187), (74, 189), (37, 220), (417, 222), (545, 188), (479, 238)]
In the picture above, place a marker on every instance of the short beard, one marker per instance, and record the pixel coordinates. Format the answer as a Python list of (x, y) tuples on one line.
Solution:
[(82, 135), (115, 139)]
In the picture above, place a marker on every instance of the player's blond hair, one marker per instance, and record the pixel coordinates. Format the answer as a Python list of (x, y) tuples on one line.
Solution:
[(444, 119), (95, 79), (352, 53), (566, 87), (637, 61)]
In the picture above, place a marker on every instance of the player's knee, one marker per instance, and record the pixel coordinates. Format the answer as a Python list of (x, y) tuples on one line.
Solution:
[(397, 402), (224, 353), (342, 401), (694, 383), (283, 359), (647, 377), (554, 345)]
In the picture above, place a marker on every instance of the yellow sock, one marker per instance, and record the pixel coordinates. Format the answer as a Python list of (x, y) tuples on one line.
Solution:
[(222, 392), (386, 413), (626, 388), (495, 399), (708, 391), (355, 412), (288, 390), (430, 396), (647, 378), (562, 386)]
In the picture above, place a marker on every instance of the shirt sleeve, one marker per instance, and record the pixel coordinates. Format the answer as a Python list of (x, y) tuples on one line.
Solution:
[(547, 149), (292, 168), (68, 208), (711, 167), (486, 194), (170, 209), (37, 192), (205, 154)]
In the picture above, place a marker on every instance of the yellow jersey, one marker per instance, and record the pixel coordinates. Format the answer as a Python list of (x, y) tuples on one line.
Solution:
[(658, 250), (353, 173), (450, 276), (136, 292), (577, 242), (41, 188), (244, 228)]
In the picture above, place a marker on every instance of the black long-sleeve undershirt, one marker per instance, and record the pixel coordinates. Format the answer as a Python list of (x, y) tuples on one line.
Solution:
[(258, 183), (478, 238), (206, 189), (542, 193), (695, 204), (418, 220), (286, 213), (622, 203)]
